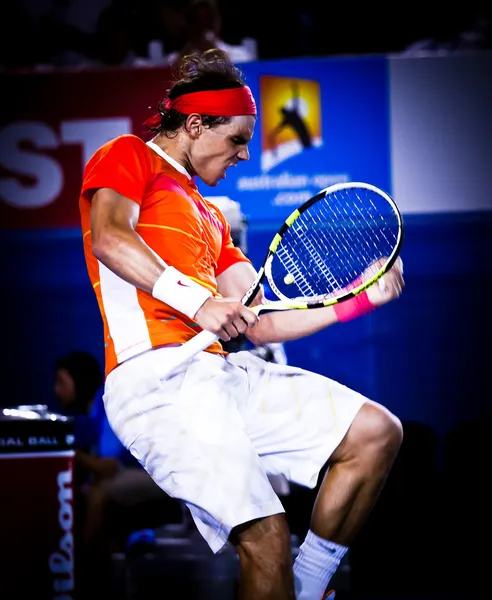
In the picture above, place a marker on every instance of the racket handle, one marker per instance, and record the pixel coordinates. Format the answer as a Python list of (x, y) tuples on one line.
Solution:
[(200, 342)]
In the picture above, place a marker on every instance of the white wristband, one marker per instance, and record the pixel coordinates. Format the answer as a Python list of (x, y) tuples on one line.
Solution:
[(180, 292)]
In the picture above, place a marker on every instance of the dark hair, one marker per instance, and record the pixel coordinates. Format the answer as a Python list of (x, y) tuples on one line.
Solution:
[(198, 72), (86, 374)]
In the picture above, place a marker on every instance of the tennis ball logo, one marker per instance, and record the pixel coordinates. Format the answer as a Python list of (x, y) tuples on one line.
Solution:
[(289, 278)]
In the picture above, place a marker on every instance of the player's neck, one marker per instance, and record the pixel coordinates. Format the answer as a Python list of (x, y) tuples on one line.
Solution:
[(174, 148)]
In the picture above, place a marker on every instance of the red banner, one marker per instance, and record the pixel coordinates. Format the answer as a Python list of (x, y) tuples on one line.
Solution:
[(51, 124), (38, 526)]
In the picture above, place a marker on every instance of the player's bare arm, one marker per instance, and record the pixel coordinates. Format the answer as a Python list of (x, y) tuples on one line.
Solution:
[(283, 326), (118, 246)]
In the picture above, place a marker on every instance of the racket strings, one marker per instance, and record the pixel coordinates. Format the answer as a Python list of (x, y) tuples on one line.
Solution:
[(288, 261), (384, 232), (344, 237), (291, 260)]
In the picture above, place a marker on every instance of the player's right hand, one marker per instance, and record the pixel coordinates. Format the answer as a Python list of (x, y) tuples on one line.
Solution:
[(226, 317)]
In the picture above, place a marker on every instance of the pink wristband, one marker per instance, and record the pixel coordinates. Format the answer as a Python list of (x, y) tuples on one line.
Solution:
[(357, 306)]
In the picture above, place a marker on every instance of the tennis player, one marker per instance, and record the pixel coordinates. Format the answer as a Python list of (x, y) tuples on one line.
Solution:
[(163, 266)]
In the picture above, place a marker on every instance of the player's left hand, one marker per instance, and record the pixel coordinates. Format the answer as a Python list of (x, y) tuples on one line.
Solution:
[(389, 287)]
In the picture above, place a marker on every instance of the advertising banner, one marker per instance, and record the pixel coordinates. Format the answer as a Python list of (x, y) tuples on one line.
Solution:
[(52, 124), (320, 121)]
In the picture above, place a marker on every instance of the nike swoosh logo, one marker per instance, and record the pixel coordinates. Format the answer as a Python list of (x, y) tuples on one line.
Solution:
[(183, 284)]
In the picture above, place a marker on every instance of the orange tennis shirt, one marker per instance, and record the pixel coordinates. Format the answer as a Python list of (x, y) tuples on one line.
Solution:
[(185, 230)]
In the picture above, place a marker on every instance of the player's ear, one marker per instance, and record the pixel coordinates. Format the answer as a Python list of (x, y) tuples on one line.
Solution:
[(194, 125)]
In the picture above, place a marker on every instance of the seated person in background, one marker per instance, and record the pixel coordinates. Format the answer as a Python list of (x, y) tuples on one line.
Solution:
[(107, 479), (77, 384), (203, 25)]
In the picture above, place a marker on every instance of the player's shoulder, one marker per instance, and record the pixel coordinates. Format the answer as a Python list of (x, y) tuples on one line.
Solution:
[(126, 148), (125, 140)]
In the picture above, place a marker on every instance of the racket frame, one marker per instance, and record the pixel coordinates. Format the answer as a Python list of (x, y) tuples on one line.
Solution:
[(285, 303)]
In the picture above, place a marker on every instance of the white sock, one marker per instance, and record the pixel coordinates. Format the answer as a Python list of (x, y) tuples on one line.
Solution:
[(315, 565)]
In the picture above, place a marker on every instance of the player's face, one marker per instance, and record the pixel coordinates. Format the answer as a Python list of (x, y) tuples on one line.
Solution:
[(221, 147)]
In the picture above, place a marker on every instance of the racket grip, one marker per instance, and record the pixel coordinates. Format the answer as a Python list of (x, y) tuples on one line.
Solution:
[(188, 350)]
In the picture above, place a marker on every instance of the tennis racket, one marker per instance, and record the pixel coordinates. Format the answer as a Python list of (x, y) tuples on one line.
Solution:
[(331, 248)]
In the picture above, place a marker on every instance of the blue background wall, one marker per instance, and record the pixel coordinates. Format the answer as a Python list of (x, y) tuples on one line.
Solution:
[(427, 356)]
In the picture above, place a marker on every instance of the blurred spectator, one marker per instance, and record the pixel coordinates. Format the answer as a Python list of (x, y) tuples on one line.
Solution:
[(77, 387), (121, 34), (455, 32), (168, 24), (203, 26), (59, 40), (477, 31), (98, 33)]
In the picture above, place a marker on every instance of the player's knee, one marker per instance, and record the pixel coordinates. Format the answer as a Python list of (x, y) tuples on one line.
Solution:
[(384, 428), (377, 430), (264, 540)]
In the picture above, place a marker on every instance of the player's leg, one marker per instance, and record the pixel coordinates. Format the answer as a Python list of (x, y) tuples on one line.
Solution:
[(264, 550), (302, 420), (357, 471), (190, 436)]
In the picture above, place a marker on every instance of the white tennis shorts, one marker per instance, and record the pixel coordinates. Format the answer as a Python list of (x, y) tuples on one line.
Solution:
[(210, 433)]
